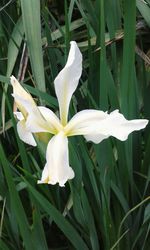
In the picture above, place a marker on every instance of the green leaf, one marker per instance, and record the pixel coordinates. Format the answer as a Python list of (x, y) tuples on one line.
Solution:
[(16, 203), (144, 10), (3, 245), (38, 232), (147, 214), (32, 26), (61, 222), (14, 45)]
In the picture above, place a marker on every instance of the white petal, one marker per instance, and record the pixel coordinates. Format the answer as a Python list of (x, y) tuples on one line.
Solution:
[(24, 134), (84, 121), (120, 127), (50, 117), (18, 90), (67, 80), (98, 125), (47, 121), (96, 138), (57, 169), (45, 176), (117, 126), (39, 119), (19, 115)]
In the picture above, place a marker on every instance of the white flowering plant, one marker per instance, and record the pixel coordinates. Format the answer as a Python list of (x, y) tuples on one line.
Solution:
[(94, 125)]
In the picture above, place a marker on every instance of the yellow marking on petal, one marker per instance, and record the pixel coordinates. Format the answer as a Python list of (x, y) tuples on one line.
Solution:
[(46, 181), (63, 120), (43, 136), (63, 108), (69, 131)]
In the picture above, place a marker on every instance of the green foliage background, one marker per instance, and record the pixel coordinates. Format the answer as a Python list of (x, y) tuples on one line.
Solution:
[(106, 206)]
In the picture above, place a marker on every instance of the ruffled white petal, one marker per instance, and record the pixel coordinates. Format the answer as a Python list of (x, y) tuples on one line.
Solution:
[(57, 169), (97, 125), (67, 80), (120, 127), (24, 134)]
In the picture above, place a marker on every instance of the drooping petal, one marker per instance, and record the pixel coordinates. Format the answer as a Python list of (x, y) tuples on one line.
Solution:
[(24, 134), (57, 169), (97, 125), (67, 80)]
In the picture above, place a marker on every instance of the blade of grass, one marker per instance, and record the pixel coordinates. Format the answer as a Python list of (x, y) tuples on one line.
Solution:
[(103, 101), (128, 213), (14, 45), (144, 10), (3, 245), (61, 222), (32, 25), (89, 221), (127, 88), (127, 82), (37, 231), (16, 203), (13, 50)]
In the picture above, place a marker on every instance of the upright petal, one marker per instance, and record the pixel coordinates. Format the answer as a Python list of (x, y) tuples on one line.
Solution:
[(67, 80), (57, 169), (24, 134), (96, 125)]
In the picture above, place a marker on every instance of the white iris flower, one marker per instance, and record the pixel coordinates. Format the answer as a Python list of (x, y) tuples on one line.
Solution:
[(94, 125)]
